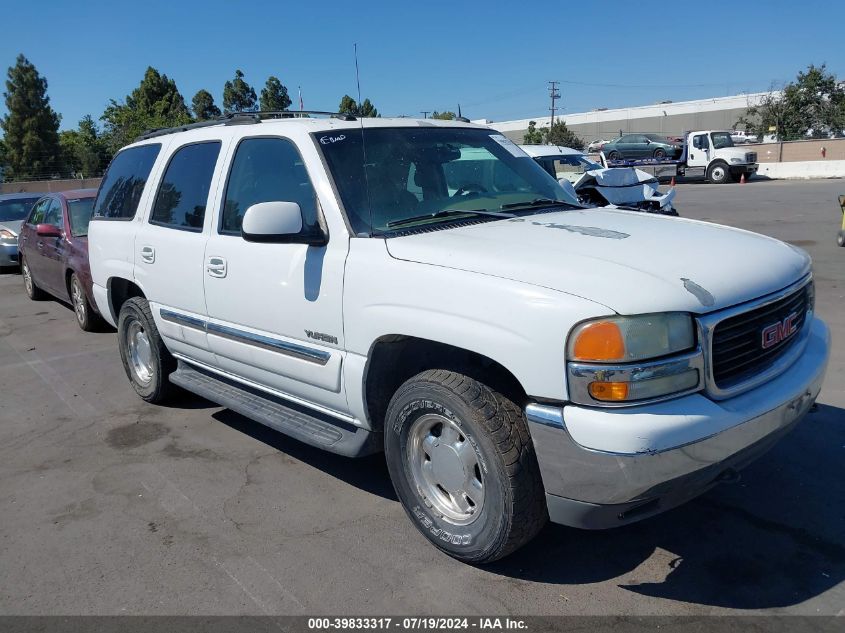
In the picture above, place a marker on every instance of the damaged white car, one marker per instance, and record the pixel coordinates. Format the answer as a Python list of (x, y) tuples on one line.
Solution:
[(595, 185)]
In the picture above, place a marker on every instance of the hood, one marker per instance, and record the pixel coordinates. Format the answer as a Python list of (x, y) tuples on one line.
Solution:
[(12, 225), (628, 261), (733, 152)]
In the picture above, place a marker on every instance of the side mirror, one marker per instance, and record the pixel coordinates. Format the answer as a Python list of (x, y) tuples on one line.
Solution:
[(279, 222), (48, 230)]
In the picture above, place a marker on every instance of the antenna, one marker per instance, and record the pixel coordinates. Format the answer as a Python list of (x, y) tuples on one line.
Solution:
[(363, 141)]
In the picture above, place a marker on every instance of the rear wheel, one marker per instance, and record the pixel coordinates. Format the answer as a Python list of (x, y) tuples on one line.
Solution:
[(32, 291), (614, 155), (463, 465), (145, 358), (840, 238), (86, 318), (718, 174)]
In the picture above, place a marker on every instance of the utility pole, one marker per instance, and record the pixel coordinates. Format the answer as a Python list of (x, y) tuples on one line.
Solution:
[(425, 113), (554, 94)]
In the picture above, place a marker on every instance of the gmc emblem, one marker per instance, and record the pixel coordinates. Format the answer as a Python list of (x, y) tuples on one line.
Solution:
[(780, 331)]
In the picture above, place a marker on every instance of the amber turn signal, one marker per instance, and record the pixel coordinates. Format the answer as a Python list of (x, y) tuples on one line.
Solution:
[(599, 341), (609, 391)]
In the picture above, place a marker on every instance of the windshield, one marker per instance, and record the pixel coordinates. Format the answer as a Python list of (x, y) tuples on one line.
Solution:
[(568, 165), (419, 172), (721, 139), (16, 210), (79, 211)]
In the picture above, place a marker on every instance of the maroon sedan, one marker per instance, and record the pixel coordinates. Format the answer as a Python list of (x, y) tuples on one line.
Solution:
[(53, 247)]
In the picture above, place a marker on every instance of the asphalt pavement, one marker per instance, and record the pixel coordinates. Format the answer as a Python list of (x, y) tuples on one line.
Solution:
[(109, 505)]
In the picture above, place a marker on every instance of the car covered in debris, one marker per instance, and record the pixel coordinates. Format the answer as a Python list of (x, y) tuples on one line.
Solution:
[(597, 186)]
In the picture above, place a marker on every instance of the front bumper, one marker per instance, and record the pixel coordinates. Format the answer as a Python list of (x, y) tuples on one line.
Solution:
[(597, 488), (8, 253)]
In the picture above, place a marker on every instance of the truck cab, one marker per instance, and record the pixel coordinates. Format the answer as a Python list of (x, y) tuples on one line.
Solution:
[(715, 151)]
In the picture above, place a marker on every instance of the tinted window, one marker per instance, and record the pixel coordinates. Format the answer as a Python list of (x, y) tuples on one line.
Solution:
[(38, 210), (54, 215), (124, 182), (183, 192), (265, 170), (79, 214), (16, 209)]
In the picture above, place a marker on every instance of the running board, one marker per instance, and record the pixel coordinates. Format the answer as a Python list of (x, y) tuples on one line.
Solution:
[(286, 417)]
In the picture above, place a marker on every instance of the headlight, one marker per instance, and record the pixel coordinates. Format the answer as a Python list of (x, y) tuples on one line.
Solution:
[(624, 338), (7, 235), (737, 160), (630, 360)]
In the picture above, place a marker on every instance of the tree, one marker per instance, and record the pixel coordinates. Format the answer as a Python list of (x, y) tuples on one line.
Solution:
[(155, 103), (813, 105), (83, 150), (559, 134), (445, 116), (349, 106), (238, 95), (31, 126), (533, 136), (274, 96), (203, 106)]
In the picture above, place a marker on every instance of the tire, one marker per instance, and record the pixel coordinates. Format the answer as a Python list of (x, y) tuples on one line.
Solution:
[(32, 291), (146, 360), (86, 318), (659, 153), (840, 238), (473, 439), (614, 155), (718, 174)]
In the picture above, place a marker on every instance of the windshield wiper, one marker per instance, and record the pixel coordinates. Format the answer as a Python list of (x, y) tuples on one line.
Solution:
[(444, 213), (539, 202)]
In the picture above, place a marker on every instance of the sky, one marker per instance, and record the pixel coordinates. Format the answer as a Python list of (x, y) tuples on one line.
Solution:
[(494, 58)]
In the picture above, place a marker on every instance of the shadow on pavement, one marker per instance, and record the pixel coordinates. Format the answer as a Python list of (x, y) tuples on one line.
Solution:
[(776, 539), (367, 473)]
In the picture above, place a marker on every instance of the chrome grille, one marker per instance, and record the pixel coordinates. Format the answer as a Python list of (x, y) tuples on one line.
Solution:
[(737, 351)]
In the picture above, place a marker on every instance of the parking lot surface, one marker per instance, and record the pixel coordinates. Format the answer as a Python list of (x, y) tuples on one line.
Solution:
[(109, 505)]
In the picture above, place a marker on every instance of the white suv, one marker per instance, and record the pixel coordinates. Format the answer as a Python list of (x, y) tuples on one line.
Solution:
[(368, 285)]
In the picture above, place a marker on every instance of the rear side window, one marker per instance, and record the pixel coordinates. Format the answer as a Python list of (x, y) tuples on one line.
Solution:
[(267, 170), (124, 182), (183, 192)]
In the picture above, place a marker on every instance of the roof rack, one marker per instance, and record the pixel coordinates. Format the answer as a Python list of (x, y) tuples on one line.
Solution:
[(242, 118)]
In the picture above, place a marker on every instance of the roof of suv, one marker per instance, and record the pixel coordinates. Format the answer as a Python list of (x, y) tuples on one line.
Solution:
[(309, 125)]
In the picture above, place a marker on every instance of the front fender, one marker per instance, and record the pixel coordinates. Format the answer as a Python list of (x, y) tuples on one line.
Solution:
[(520, 326)]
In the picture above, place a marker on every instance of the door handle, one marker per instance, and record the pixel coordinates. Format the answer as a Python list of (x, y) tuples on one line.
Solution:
[(148, 254), (216, 266)]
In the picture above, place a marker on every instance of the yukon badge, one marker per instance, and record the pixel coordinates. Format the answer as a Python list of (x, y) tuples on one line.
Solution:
[(780, 331), (319, 336)]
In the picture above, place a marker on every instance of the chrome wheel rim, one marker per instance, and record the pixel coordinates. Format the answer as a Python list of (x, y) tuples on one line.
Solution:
[(27, 278), (718, 173), (445, 468), (78, 299), (140, 353)]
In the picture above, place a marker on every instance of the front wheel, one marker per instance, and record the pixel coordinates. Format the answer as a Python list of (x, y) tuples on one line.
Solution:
[(462, 463), (718, 174), (659, 153), (840, 238), (146, 360)]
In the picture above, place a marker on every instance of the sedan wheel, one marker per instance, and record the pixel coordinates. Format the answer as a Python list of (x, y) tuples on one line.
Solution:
[(32, 291), (79, 303)]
